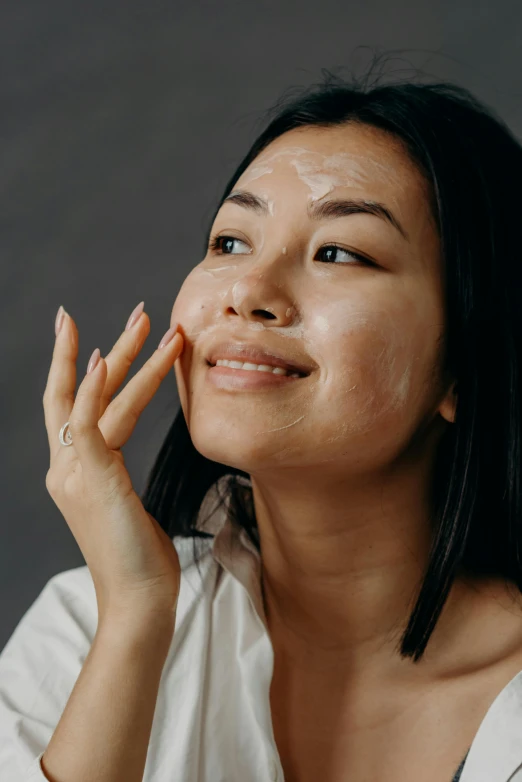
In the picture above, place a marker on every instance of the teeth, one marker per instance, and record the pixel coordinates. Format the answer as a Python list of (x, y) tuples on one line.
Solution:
[(222, 362)]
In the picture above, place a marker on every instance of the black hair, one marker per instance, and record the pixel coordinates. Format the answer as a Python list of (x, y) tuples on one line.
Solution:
[(472, 163)]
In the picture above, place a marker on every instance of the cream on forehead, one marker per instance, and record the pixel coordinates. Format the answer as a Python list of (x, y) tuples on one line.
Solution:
[(322, 173)]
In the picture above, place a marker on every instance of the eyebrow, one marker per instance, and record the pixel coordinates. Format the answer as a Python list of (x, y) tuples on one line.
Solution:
[(325, 210)]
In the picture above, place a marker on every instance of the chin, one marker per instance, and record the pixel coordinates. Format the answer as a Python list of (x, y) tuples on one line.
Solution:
[(243, 455)]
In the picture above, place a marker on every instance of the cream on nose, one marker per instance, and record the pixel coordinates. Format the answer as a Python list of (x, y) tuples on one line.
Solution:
[(239, 292)]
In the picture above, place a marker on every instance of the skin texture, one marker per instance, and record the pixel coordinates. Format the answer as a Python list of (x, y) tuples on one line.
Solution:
[(341, 460)]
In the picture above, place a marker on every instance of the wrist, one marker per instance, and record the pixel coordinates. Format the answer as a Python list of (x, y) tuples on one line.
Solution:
[(139, 628)]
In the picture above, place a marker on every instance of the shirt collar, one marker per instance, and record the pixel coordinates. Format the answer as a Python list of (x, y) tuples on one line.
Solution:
[(231, 547)]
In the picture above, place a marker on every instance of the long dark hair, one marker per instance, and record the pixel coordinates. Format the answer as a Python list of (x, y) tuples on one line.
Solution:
[(473, 166)]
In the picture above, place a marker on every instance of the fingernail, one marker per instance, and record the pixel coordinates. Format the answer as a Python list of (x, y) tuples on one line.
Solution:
[(135, 314), (93, 360), (168, 336), (59, 320)]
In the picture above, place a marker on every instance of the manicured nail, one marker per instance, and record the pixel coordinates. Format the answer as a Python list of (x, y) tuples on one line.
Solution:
[(168, 336), (135, 314), (93, 360), (60, 315)]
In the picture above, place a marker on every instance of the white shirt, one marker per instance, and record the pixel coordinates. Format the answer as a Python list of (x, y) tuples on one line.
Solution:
[(212, 721)]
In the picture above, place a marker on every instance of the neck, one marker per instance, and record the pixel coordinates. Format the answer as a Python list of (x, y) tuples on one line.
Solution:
[(342, 565)]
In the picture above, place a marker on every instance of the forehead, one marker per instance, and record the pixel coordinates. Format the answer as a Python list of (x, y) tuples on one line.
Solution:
[(350, 156)]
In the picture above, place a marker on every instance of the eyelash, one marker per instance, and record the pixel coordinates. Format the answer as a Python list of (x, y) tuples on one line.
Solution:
[(215, 245)]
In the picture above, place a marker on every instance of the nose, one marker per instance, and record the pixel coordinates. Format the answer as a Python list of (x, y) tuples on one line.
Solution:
[(256, 297)]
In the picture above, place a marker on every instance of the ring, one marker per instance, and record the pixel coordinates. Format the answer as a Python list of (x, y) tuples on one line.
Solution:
[(63, 436)]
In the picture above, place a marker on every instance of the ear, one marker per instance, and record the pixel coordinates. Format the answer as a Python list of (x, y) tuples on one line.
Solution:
[(448, 406)]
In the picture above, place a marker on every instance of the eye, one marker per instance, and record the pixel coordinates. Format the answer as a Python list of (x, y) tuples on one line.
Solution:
[(335, 247), (217, 244)]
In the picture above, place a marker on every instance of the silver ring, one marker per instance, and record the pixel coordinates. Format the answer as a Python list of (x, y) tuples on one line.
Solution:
[(62, 435)]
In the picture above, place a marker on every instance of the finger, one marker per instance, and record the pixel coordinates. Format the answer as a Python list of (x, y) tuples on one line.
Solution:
[(120, 358), (88, 440), (58, 397), (120, 418)]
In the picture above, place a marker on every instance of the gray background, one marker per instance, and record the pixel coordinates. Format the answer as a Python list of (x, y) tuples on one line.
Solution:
[(120, 124)]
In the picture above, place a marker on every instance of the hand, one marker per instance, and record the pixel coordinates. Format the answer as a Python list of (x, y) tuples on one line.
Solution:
[(133, 563)]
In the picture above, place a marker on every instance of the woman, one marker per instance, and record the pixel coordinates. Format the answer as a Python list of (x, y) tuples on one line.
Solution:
[(347, 454)]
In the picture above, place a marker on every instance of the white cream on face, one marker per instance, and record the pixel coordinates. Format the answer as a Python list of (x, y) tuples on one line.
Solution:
[(322, 173), (367, 339), (278, 428)]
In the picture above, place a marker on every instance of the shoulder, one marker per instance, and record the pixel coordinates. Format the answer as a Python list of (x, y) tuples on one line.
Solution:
[(67, 605)]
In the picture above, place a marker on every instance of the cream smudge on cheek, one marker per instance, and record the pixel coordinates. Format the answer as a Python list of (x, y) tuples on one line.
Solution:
[(216, 269), (366, 362), (321, 323)]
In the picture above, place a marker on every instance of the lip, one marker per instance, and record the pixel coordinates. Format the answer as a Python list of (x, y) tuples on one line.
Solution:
[(230, 379), (247, 351)]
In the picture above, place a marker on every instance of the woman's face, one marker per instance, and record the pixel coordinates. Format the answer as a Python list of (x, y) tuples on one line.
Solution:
[(367, 334)]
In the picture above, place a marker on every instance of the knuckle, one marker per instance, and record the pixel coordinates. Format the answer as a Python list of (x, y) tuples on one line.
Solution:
[(48, 397), (127, 357), (79, 427), (52, 395), (51, 481)]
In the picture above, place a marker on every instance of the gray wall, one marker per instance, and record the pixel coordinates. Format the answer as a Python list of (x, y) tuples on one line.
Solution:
[(120, 124)]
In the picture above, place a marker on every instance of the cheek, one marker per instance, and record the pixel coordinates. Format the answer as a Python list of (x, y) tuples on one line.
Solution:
[(373, 364), (198, 308), (194, 309), (197, 303)]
